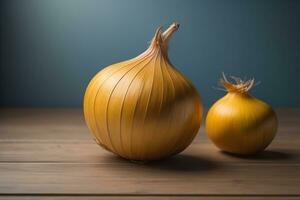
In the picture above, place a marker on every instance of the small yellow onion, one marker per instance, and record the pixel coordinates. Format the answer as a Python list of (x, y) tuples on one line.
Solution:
[(239, 123), (143, 109)]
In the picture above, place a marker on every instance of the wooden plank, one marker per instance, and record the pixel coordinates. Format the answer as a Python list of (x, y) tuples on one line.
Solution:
[(60, 135), (90, 152), (179, 177), (50, 152), (148, 197), (42, 124)]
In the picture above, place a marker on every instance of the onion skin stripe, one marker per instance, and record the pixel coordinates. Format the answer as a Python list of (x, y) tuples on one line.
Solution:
[(94, 109), (122, 106), (108, 102), (149, 99), (134, 118)]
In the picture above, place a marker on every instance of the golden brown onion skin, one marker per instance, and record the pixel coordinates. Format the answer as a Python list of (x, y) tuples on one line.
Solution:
[(241, 124), (143, 109)]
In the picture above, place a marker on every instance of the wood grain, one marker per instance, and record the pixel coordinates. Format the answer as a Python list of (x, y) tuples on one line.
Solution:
[(50, 152), (203, 178), (51, 197), (147, 198)]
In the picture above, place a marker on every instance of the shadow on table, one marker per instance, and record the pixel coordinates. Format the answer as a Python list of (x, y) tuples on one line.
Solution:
[(181, 162), (184, 162), (264, 155)]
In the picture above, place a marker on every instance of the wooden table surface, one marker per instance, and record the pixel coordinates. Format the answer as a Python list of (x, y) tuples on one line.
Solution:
[(50, 154)]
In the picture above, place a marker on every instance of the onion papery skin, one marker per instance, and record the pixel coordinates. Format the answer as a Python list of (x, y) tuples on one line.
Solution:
[(241, 124), (143, 109)]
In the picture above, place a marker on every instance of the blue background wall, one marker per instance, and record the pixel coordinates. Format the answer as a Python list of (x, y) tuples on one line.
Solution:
[(51, 48)]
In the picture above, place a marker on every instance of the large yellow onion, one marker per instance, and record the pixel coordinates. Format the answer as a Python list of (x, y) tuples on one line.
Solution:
[(239, 123), (143, 108)]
